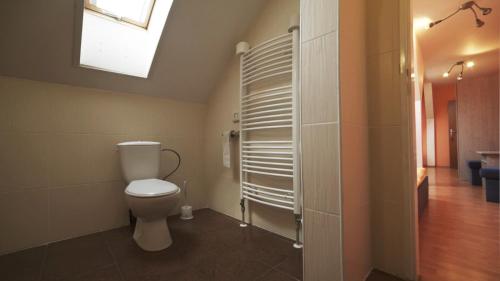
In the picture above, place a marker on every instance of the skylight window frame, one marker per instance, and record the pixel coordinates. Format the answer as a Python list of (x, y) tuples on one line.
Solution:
[(100, 11)]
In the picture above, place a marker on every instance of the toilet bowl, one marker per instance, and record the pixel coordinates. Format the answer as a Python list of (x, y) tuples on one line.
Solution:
[(150, 201)]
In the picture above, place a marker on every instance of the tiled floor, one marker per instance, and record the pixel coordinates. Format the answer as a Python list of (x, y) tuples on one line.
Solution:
[(210, 247), (377, 275)]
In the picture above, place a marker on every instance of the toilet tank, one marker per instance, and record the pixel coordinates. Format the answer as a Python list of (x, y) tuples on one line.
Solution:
[(139, 159)]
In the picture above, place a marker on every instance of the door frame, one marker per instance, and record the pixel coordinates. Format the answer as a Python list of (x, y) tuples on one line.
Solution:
[(408, 137), (455, 166)]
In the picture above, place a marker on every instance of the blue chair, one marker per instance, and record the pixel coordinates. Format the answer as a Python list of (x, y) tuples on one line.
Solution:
[(492, 186), (475, 166)]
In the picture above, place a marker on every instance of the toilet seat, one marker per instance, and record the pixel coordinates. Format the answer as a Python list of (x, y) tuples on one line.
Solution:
[(151, 188)]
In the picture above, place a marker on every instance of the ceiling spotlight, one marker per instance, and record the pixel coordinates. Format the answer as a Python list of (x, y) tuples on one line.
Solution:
[(484, 11), (469, 5), (421, 23), (479, 23), (459, 64)]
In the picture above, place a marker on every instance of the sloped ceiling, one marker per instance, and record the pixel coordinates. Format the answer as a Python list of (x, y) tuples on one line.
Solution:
[(458, 38), (39, 40)]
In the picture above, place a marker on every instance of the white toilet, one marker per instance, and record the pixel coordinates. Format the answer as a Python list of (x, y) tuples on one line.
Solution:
[(149, 198)]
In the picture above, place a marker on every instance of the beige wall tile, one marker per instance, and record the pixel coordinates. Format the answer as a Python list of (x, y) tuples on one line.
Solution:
[(104, 158), (322, 246), (382, 24), (138, 115), (385, 159), (355, 161), (70, 109), (73, 211), (387, 233), (383, 95), (321, 167), (318, 18), (23, 219), (112, 209), (69, 159), (356, 239), (23, 160), (83, 209), (31, 107), (319, 80), (352, 72), (107, 114), (356, 227), (6, 101)]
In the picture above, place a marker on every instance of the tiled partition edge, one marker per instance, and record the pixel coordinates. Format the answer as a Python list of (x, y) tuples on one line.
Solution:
[(320, 140)]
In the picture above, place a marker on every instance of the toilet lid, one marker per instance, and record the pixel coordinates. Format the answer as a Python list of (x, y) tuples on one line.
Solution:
[(150, 188)]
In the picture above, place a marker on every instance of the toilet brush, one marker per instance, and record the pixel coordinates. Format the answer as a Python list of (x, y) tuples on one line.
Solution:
[(186, 210)]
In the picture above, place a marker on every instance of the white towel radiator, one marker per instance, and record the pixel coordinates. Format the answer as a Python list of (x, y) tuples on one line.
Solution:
[(270, 124)]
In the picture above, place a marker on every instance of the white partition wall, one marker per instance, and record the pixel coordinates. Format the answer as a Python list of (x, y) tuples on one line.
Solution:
[(430, 127)]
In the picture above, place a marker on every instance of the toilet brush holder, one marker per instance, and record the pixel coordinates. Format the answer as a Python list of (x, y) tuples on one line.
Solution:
[(186, 210), (186, 213)]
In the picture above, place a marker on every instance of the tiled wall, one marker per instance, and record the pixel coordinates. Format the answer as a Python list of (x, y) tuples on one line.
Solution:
[(59, 168), (320, 141), (223, 183), (355, 168), (389, 109)]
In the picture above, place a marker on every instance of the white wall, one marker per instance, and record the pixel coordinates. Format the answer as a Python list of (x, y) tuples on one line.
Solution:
[(430, 125), (222, 183)]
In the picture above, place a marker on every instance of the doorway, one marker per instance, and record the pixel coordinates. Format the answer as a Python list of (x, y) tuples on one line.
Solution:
[(452, 129), (456, 226)]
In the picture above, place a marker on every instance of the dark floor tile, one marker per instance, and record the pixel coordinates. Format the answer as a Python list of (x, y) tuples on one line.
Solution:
[(210, 247), (109, 273), (275, 275), (76, 256), (117, 234), (230, 266), (186, 275), (377, 275), (204, 221), (22, 266), (292, 265), (137, 264), (267, 248)]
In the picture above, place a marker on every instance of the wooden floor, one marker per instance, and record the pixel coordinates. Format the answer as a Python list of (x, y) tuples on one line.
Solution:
[(459, 232)]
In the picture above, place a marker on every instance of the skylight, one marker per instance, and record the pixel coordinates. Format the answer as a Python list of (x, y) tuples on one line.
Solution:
[(135, 12), (122, 36)]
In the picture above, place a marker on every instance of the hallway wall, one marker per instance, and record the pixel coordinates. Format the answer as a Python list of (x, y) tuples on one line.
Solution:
[(478, 118)]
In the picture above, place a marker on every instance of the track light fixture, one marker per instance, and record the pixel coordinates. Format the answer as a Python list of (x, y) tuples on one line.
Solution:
[(459, 64), (469, 5)]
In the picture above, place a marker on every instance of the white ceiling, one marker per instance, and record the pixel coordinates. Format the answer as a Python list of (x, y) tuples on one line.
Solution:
[(458, 38), (40, 41)]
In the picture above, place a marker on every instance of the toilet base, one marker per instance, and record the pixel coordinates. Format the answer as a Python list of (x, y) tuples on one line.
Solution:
[(152, 235)]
